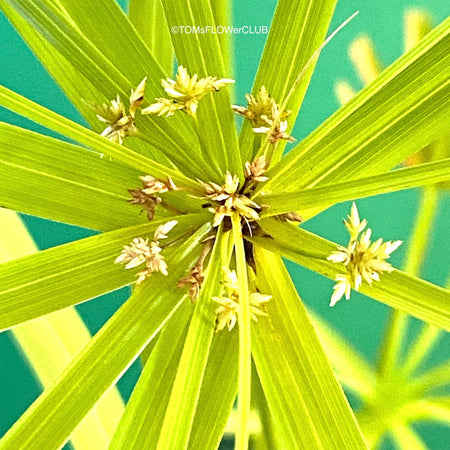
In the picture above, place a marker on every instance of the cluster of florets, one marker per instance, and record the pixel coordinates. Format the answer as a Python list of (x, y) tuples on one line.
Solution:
[(265, 116), (184, 93), (148, 196), (142, 251), (120, 122), (363, 260), (228, 310), (230, 199)]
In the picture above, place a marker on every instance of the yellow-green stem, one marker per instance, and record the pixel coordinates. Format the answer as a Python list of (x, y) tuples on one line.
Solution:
[(419, 241), (406, 438), (429, 333), (245, 367), (393, 341)]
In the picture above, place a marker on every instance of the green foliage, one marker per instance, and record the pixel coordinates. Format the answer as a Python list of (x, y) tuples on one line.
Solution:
[(231, 211)]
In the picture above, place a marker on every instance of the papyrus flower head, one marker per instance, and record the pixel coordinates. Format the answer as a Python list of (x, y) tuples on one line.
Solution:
[(184, 93), (363, 260), (255, 170), (142, 251), (259, 108), (147, 196), (194, 281), (120, 123), (274, 127), (230, 200), (228, 310)]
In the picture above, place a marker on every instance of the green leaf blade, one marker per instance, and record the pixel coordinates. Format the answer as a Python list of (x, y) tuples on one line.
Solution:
[(324, 196), (299, 28), (180, 413), (51, 418), (49, 119), (51, 342), (141, 423), (401, 112), (222, 12), (351, 368), (59, 181), (308, 406), (201, 53), (97, 61), (72, 273), (148, 18), (397, 289), (218, 392)]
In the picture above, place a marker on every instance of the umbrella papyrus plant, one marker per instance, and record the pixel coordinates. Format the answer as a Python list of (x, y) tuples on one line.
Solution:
[(197, 217)]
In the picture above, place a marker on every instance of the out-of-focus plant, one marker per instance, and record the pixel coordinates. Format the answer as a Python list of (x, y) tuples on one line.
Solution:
[(401, 392), (208, 215)]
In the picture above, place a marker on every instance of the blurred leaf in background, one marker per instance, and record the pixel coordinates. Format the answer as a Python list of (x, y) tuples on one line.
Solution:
[(188, 374)]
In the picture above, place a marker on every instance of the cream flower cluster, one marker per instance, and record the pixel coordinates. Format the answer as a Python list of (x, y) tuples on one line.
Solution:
[(265, 118), (120, 123), (230, 200), (228, 309), (142, 251), (256, 169), (363, 260), (185, 92)]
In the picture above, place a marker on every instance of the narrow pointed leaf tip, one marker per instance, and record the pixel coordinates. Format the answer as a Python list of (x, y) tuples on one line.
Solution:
[(313, 57)]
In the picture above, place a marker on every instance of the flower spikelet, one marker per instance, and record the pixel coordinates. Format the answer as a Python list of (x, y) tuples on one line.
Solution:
[(146, 197), (228, 310), (185, 93), (194, 281), (142, 251), (259, 108), (274, 127), (354, 224), (255, 170), (120, 123), (364, 261), (230, 200), (154, 186), (291, 216), (148, 202)]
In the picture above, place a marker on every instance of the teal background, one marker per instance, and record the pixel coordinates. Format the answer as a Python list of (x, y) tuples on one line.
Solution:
[(361, 319)]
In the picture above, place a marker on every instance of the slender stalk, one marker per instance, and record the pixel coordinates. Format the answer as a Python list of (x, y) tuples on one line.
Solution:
[(399, 320), (389, 365), (434, 379), (432, 408), (420, 237), (245, 367), (362, 54), (407, 439), (429, 335), (393, 342)]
